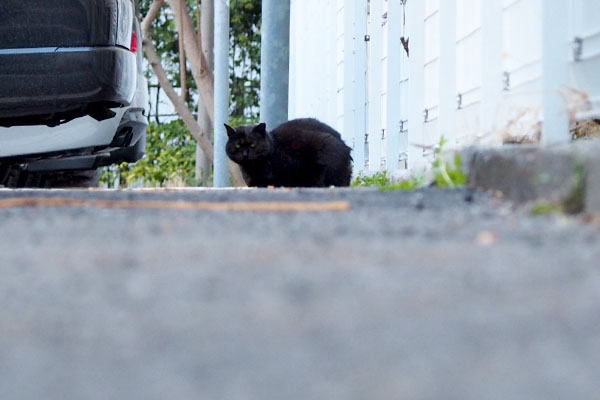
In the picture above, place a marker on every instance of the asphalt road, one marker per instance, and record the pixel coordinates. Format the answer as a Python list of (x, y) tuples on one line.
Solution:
[(434, 294)]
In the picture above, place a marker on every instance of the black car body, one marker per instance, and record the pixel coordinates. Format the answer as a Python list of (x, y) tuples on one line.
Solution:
[(66, 59)]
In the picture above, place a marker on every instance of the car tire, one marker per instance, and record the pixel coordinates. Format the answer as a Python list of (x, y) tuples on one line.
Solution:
[(71, 179)]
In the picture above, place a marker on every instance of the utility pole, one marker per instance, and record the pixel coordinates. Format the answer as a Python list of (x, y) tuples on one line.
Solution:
[(275, 62), (207, 33), (221, 79)]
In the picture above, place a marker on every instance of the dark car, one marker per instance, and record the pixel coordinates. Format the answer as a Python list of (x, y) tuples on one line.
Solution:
[(73, 96)]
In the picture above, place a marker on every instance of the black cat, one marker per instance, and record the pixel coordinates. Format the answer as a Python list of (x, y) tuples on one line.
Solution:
[(298, 153)]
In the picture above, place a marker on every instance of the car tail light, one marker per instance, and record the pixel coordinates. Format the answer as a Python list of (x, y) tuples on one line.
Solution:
[(133, 46)]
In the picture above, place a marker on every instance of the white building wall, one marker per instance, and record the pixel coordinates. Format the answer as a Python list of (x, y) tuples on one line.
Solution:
[(475, 72), (314, 60), (585, 66), (431, 71), (375, 84)]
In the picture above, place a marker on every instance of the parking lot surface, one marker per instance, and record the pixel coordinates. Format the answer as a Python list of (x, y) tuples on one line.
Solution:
[(294, 294)]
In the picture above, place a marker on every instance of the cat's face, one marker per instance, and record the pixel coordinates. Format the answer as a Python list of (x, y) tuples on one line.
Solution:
[(247, 143)]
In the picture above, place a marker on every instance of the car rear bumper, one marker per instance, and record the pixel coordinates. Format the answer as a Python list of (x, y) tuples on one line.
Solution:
[(46, 81), (80, 144)]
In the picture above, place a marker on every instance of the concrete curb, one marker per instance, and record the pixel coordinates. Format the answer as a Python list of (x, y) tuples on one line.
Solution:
[(567, 175)]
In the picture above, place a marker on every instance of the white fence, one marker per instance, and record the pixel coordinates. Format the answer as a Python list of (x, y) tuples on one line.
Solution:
[(476, 71)]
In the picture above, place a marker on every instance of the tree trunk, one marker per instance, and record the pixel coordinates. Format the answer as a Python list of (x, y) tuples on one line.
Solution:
[(193, 48), (206, 30), (200, 70)]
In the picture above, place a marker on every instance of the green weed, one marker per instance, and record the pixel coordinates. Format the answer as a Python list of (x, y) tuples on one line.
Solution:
[(573, 203), (408, 184), (383, 182), (446, 174), (544, 209), (378, 179)]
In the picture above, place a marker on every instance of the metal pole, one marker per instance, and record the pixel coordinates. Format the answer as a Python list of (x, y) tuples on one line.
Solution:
[(207, 27), (275, 62), (221, 177)]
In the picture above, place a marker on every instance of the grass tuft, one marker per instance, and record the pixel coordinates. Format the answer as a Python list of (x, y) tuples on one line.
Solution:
[(378, 179), (447, 174), (544, 209)]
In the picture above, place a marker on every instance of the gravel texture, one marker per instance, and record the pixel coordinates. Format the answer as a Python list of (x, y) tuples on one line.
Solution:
[(432, 294)]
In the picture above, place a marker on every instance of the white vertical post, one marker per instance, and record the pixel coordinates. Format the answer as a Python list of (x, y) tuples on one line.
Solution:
[(416, 91), (394, 55), (350, 130), (221, 78), (340, 72), (448, 92), (374, 77), (292, 99), (491, 39), (331, 32), (359, 84), (555, 37), (577, 15)]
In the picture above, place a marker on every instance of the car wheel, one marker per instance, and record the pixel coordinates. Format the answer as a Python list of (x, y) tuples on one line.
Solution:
[(70, 179)]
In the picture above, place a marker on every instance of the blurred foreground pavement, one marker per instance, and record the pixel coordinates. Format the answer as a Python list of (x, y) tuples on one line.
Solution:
[(434, 294)]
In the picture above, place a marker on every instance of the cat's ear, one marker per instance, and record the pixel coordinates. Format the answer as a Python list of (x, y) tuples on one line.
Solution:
[(260, 128), (230, 131)]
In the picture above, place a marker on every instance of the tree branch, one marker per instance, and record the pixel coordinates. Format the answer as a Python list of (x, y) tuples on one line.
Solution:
[(201, 72), (180, 105), (182, 66), (181, 108), (151, 16)]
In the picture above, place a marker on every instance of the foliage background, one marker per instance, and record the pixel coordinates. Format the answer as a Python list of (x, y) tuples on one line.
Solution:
[(170, 150)]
